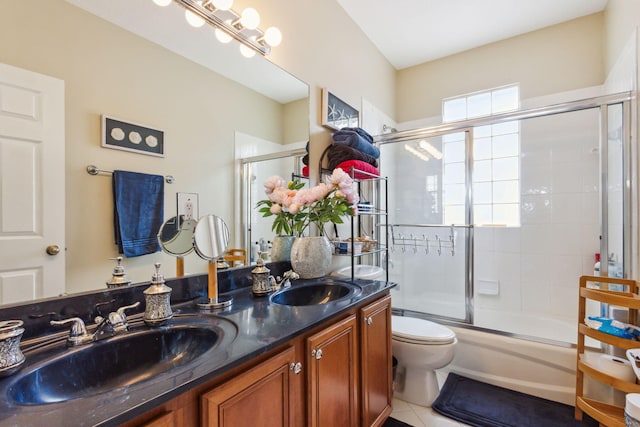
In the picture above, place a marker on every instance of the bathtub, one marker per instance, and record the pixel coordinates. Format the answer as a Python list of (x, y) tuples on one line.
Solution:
[(535, 368)]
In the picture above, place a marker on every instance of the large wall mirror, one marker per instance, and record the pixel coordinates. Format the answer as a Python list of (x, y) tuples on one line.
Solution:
[(139, 62)]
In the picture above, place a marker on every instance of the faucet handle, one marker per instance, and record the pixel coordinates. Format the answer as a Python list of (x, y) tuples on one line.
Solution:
[(78, 334), (118, 319), (290, 274), (121, 310)]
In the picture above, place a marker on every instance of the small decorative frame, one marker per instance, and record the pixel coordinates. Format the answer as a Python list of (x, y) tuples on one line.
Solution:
[(132, 137), (337, 114)]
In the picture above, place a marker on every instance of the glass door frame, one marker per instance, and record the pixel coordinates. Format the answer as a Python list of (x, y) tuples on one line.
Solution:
[(601, 103)]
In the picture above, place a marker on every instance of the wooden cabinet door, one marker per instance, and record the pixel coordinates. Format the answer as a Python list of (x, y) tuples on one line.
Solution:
[(170, 419), (375, 350), (264, 396), (332, 379)]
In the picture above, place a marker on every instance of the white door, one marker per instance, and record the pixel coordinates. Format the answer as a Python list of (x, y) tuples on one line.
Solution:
[(32, 192)]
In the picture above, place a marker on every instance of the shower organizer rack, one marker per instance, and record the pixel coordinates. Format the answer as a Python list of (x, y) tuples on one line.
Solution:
[(420, 243), (603, 412), (366, 212), (380, 227)]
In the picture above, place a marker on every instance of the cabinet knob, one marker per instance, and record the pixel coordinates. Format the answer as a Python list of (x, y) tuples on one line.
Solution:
[(296, 367), (317, 354), (369, 320)]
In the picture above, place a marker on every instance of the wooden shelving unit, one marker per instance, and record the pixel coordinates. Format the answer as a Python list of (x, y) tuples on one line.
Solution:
[(605, 413)]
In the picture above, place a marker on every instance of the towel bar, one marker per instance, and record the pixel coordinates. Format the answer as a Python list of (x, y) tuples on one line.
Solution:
[(94, 170)]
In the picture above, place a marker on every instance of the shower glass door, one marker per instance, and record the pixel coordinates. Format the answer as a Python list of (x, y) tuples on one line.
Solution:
[(533, 196), (429, 196), (614, 195)]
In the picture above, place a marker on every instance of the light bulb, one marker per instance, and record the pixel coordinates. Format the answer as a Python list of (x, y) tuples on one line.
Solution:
[(193, 19), (222, 36), (246, 51), (273, 36), (222, 4), (250, 18), (162, 2)]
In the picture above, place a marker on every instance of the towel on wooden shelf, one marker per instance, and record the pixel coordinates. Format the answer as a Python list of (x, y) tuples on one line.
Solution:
[(359, 165), (339, 153), (138, 212), (356, 140)]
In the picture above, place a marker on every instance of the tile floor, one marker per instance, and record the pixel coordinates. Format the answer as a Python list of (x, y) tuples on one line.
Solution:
[(419, 416)]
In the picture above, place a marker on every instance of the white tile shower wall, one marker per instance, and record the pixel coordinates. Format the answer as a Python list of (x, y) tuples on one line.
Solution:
[(538, 264)]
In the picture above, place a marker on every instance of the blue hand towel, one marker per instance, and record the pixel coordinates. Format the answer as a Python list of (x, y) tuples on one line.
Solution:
[(357, 141), (138, 212)]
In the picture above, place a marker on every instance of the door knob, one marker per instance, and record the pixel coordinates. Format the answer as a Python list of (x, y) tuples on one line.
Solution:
[(53, 249)]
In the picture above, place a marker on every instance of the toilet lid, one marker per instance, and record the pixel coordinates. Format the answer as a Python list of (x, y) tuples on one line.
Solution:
[(420, 331)]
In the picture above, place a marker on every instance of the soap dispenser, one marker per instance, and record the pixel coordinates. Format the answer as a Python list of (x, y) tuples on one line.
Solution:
[(118, 278), (158, 299)]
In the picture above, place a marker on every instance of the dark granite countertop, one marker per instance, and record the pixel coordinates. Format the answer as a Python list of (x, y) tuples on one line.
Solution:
[(260, 326)]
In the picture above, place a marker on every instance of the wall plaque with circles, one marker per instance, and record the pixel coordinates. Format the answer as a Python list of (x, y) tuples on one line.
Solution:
[(132, 137)]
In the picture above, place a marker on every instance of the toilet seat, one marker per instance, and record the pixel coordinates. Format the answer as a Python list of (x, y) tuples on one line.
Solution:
[(420, 331)]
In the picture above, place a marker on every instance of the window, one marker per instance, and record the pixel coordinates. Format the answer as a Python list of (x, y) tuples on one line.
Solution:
[(496, 160)]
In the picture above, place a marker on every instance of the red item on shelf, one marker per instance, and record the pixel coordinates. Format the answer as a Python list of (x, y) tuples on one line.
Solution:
[(359, 165), (305, 171)]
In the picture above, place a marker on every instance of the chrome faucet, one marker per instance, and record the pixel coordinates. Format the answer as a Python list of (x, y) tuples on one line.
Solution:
[(78, 335), (284, 281), (117, 320)]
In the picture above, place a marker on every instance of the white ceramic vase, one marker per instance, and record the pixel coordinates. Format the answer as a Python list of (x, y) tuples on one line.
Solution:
[(311, 256), (281, 248)]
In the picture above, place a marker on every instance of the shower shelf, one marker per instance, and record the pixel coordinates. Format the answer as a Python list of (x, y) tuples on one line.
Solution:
[(605, 413)]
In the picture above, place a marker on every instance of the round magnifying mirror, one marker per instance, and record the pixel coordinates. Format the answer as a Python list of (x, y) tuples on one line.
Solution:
[(176, 236), (211, 237)]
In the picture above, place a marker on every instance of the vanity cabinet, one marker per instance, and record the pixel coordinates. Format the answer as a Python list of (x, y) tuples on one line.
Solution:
[(170, 419), (376, 362), (332, 375), (267, 394), (336, 374)]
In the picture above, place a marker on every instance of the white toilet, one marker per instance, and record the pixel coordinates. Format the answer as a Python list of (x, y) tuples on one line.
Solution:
[(421, 347)]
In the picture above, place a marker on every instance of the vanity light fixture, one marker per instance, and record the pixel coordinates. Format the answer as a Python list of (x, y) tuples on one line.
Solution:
[(193, 19), (247, 52), (229, 24)]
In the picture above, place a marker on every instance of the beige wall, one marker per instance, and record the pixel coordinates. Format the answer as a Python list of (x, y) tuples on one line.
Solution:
[(622, 17), (321, 46), (325, 48), (558, 58), (109, 71)]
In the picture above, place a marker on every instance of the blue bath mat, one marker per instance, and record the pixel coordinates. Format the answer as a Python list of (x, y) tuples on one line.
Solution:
[(392, 422), (484, 405)]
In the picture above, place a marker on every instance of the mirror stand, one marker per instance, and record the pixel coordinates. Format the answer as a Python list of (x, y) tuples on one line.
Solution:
[(210, 240), (176, 238), (214, 301), (179, 266)]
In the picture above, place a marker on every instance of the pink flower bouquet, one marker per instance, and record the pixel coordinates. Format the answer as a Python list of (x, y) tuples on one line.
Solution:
[(296, 207)]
